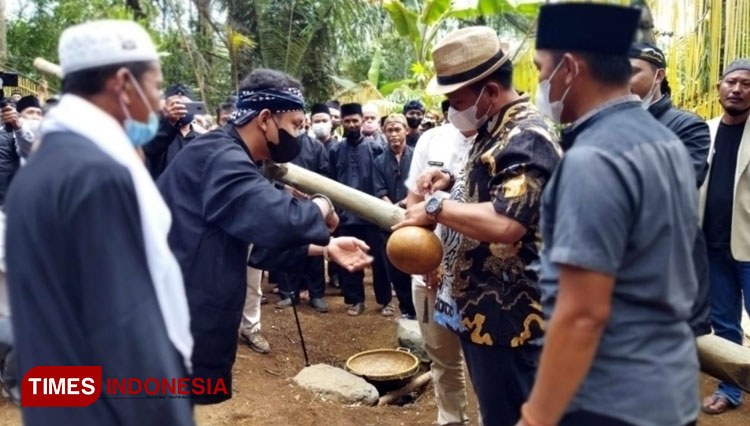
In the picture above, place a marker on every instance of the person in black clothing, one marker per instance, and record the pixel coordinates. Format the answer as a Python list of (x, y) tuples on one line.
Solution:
[(221, 203), (313, 157), (322, 126), (90, 276), (224, 112), (175, 130), (725, 205), (649, 81), (352, 163), (391, 170), (414, 112)]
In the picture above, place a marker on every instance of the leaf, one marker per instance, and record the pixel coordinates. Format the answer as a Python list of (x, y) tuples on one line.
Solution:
[(404, 20), (373, 74), (494, 7), (241, 40), (529, 9), (433, 10), (343, 82), (390, 87)]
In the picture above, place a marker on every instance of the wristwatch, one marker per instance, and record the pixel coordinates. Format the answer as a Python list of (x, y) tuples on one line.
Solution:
[(451, 177), (435, 204)]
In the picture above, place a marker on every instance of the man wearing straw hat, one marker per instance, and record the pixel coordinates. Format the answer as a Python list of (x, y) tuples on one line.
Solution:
[(489, 292), (618, 224)]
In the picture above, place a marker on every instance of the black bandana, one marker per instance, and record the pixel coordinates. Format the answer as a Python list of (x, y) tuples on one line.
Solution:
[(252, 102)]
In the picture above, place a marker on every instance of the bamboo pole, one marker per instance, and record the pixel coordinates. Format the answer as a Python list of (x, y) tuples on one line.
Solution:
[(369, 208), (48, 67), (725, 360), (419, 382)]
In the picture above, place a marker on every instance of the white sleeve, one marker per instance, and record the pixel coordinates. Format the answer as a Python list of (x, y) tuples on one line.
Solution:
[(419, 161)]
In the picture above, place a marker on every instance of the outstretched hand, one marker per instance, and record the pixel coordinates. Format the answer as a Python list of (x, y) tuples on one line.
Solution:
[(349, 252)]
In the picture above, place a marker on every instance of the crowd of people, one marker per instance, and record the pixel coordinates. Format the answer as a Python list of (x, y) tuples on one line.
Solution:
[(579, 264)]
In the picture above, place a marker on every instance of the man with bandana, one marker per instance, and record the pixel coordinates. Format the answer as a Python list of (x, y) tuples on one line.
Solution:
[(414, 112), (175, 130), (221, 203), (618, 224), (649, 82)]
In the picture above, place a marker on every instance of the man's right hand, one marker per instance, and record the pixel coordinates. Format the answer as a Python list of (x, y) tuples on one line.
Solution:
[(432, 180), (175, 111), (10, 116)]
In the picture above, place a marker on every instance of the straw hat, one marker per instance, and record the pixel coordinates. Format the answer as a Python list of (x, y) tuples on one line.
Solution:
[(464, 57)]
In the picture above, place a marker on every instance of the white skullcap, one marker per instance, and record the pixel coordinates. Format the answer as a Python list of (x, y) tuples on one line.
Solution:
[(96, 44), (371, 107)]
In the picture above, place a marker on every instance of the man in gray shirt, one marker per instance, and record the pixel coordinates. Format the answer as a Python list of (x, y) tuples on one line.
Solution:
[(618, 224)]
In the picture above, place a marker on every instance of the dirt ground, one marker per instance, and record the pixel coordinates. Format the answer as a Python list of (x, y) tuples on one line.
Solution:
[(264, 394)]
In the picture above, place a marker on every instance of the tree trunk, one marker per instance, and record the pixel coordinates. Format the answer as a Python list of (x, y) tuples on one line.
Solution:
[(3, 35)]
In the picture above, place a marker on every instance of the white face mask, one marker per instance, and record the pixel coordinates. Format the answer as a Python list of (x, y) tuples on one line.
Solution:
[(649, 98), (553, 110), (31, 126), (322, 129), (467, 120)]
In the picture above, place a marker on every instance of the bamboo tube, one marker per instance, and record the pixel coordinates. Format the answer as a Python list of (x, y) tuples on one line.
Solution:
[(367, 207), (419, 382), (725, 360), (48, 67)]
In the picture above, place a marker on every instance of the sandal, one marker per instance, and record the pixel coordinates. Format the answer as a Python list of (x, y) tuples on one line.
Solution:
[(356, 309), (716, 404), (388, 310)]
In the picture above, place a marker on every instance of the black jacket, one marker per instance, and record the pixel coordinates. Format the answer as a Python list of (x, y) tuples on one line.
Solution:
[(694, 133), (691, 130), (9, 162), (165, 145)]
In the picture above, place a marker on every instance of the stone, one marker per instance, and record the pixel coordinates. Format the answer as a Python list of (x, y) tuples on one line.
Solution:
[(336, 384), (410, 337)]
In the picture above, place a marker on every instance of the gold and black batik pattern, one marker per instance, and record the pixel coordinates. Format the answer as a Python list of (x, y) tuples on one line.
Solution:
[(489, 292)]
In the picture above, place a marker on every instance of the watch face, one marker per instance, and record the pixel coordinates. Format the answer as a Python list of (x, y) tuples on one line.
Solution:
[(432, 205)]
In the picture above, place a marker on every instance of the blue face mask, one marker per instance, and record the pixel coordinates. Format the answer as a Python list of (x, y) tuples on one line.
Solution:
[(140, 133)]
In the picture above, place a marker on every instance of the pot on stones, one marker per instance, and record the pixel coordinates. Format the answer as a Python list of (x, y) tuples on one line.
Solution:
[(386, 369)]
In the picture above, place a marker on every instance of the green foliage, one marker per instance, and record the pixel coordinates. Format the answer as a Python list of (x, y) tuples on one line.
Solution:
[(38, 35)]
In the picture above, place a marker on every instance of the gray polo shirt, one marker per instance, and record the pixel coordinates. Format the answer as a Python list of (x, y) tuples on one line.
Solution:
[(623, 203)]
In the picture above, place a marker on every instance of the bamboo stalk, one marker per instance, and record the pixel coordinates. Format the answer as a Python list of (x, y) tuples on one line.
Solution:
[(417, 383), (725, 360), (367, 207)]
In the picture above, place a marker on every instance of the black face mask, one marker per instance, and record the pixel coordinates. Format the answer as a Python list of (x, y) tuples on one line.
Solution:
[(413, 122), (287, 149), (353, 135), (187, 119)]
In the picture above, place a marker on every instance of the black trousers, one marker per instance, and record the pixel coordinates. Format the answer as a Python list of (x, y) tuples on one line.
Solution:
[(502, 377), (352, 283), (312, 279), (402, 284), (587, 418)]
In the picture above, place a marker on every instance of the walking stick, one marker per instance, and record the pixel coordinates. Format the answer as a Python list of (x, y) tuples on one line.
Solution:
[(299, 328)]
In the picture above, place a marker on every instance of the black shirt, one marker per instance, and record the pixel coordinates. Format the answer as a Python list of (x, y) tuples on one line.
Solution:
[(390, 174), (717, 224)]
